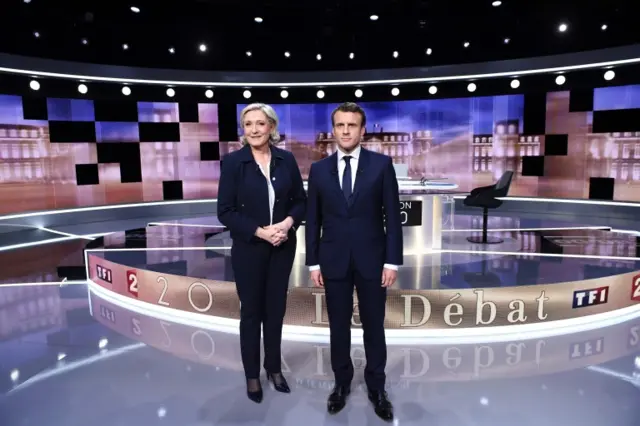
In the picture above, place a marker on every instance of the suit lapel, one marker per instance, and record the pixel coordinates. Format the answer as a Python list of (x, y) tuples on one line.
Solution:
[(360, 174)]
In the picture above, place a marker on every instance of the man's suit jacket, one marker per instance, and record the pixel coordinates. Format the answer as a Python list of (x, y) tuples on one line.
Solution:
[(339, 231), (243, 195)]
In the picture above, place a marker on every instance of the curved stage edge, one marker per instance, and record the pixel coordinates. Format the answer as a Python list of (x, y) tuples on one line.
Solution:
[(437, 316)]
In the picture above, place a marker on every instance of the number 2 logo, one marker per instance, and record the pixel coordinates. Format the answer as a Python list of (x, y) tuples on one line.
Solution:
[(132, 283), (635, 288)]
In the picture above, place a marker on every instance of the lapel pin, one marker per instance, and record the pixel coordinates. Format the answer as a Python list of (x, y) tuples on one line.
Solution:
[(273, 178)]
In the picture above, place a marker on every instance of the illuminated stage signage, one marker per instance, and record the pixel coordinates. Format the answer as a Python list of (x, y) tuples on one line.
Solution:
[(635, 288), (411, 213), (405, 309)]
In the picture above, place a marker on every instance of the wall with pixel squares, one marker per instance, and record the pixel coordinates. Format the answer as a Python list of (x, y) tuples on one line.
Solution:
[(62, 153)]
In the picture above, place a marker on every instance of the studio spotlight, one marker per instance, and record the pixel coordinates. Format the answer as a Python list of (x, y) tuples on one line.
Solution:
[(563, 27), (135, 9), (358, 93), (34, 84), (170, 92), (125, 46), (515, 83), (246, 94), (202, 47), (248, 53), (126, 90), (472, 87), (258, 19), (82, 88), (609, 75), (429, 51), (319, 57), (209, 93), (172, 50), (560, 80), (466, 44), (284, 94), (395, 91), (374, 17), (352, 55), (320, 94), (604, 27), (287, 54), (496, 3), (433, 90), (395, 54)]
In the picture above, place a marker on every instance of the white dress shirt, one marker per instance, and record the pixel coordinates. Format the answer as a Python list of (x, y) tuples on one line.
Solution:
[(355, 156), (272, 192)]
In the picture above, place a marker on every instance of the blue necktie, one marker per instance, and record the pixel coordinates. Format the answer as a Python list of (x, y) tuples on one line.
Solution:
[(346, 178)]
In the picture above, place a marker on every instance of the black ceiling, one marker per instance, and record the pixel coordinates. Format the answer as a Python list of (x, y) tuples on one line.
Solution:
[(305, 28)]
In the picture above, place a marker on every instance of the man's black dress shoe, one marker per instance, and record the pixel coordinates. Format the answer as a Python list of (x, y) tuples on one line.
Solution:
[(279, 382), (381, 405), (338, 399), (254, 393)]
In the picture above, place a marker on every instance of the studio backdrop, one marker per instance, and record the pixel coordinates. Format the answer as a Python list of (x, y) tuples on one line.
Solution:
[(62, 153)]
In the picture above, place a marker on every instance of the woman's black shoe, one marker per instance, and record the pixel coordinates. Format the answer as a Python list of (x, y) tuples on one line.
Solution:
[(254, 392), (279, 382)]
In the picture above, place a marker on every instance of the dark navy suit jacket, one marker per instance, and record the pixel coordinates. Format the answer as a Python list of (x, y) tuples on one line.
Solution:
[(243, 197), (354, 230)]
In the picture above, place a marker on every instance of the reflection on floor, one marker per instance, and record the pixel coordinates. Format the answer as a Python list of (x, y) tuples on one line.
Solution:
[(69, 358)]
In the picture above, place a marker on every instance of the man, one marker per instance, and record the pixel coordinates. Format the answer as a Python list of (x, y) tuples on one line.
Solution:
[(352, 197)]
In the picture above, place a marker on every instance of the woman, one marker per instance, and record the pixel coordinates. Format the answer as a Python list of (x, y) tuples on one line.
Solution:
[(261, 199)]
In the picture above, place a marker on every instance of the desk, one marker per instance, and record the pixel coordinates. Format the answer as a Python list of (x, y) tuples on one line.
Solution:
[(426, 207)]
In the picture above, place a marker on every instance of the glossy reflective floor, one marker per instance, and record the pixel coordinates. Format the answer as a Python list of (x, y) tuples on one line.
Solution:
[(69, 358)]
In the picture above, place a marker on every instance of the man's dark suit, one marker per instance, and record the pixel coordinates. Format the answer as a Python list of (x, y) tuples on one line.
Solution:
[(351, 251)]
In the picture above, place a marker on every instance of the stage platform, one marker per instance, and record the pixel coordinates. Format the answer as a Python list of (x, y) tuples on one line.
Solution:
[(542, 329), (560, 278)]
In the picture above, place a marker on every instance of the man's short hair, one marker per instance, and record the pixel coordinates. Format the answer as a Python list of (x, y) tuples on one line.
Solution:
[(349, 107)]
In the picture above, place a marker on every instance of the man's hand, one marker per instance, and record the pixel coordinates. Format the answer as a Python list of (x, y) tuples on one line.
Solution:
[(316, 277), (388, 277)]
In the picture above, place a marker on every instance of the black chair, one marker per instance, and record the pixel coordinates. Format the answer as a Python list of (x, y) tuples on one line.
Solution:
[(486, 197)]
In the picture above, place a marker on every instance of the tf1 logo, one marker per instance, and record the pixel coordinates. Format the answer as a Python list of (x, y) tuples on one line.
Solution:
[(104, 274), (592, 297), (635, 288)]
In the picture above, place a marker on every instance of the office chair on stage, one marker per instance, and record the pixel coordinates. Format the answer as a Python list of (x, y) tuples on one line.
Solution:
[(486, 197)]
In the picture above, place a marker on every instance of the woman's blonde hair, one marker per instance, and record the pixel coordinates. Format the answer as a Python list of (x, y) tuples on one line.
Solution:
[(271, 115)]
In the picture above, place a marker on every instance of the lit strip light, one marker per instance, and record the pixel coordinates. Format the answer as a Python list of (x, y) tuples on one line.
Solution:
[(44, 283), (66, 234), (568, 228), (563, 201), (326, 83), (74, 365), (185, 225), (296, 333)]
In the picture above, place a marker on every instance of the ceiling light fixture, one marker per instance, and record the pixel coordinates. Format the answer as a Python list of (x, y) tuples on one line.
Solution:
[(429, 51), (320, 94), (466, 44), (472, 87), (609, 75), (209, 93), (34, 84), (560, 80), (172, 50), (248, 53), (126, 90), (287, 54), (358, 93), (135, 9), (284, 94), (82, 88), (395, 54), (395, 91), (374, 17), (170, 92), (496, 3), (202, 47), (515, 83), (258, 19), (433, 90), (246, 94), (563, 27), (319, 57), (125, 46), (507, 40), (352, 55), (604, 27), (85, 41)]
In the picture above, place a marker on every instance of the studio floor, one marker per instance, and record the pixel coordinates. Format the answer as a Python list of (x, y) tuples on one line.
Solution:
[(70, 356)]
